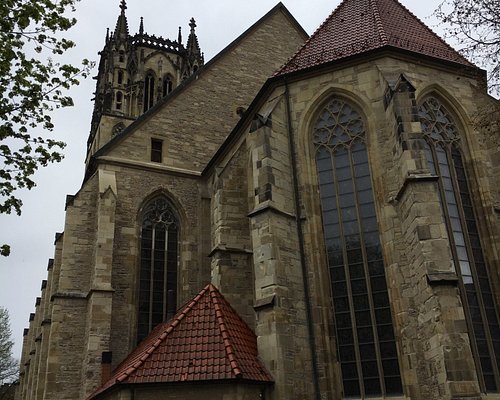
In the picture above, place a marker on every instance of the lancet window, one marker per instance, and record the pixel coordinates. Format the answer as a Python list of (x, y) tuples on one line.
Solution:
[(149, 91), (366, 346), (119, 100), (167, 85), (158, 268), (444, 157)]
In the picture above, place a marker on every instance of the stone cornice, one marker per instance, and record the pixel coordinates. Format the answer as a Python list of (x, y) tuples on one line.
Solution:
[(271, 207), (155, 167), (413, 179)]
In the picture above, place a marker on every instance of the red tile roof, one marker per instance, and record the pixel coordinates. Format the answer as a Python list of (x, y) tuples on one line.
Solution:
[(206, 340), (358, 26)]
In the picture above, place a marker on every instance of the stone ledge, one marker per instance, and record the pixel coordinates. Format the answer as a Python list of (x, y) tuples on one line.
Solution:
[(226, 249), (99, 290), (414, 178), (148, 166), (265, 302), (268, 206), (68, 295), (442, 278)]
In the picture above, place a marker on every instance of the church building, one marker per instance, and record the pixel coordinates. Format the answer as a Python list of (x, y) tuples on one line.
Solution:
[(297, 218)]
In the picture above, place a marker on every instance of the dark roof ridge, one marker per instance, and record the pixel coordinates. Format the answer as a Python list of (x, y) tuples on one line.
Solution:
[(223, 330), (294, 55), (378, 22), (170, 327)]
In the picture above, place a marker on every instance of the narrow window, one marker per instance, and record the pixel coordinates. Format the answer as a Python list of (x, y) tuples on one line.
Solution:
[(158, 269), (365, 335), (149, 91), (119, 100), (120, 77), (121, 56), (167, 85), (156, 150), (444, 158)]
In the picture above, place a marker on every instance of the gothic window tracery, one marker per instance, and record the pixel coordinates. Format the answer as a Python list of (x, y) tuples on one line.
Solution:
[(366, 346), (444, 157), (158, 268)]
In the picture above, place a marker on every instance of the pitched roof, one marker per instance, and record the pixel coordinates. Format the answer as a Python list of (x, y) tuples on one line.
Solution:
[(358, 26), (205, 341)]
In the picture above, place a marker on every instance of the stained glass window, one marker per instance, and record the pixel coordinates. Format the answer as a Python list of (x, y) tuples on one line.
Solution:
[(444, 158), (158, 269), (365, 336)]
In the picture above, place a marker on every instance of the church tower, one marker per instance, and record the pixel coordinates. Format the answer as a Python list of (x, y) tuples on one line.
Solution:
[(135, 72)]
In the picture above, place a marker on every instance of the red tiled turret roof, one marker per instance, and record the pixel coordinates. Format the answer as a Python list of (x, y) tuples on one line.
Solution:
[(205, 341), (358, 26)]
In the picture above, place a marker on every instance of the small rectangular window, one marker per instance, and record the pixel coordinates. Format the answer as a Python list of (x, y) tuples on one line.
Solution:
[(156, 150)]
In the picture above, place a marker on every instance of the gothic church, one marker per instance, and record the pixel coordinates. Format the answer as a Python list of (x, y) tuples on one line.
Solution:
[(298, 218)]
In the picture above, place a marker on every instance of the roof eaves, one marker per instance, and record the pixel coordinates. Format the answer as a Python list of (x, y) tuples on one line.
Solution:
[(434, 33), (274, 81), (377, 52)]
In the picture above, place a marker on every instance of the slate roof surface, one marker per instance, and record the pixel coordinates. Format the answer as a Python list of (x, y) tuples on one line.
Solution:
[(205, 341), (358, 26)]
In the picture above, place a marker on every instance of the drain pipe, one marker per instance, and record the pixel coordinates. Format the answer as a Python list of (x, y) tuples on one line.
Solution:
[(298, 217)]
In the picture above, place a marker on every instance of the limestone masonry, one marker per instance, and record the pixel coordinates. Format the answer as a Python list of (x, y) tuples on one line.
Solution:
[(296, 218)]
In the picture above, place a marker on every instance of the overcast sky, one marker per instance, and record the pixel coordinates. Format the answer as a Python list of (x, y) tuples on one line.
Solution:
[(31, 236)]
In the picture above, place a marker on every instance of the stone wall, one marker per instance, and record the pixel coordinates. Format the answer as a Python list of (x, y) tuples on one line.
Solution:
[(223, 391), (194, 123), (429, 319)]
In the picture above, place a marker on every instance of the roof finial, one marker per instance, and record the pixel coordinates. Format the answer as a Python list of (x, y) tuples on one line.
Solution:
[(123, 6), (179, 37), (192, 24), (141, 27)]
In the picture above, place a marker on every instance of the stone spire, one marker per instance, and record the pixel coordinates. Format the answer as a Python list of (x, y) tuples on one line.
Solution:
[(121, 30), (192, 46), (141, 27)]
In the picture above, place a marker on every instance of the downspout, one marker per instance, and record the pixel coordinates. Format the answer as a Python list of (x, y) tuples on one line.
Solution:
[(298, 218)]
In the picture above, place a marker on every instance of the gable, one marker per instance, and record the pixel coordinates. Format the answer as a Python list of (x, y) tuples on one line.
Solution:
[(196, 118)]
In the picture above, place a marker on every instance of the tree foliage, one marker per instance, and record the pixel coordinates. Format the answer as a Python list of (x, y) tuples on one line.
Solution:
[(33, 82), (8, 365), (476, 26)]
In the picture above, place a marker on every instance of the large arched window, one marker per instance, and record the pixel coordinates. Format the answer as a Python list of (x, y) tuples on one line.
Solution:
[(149, 91), (444, 157), (364, 330), (158, 269)]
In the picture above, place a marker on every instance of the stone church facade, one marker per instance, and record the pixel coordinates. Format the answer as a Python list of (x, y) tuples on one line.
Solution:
[(298, 218)]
